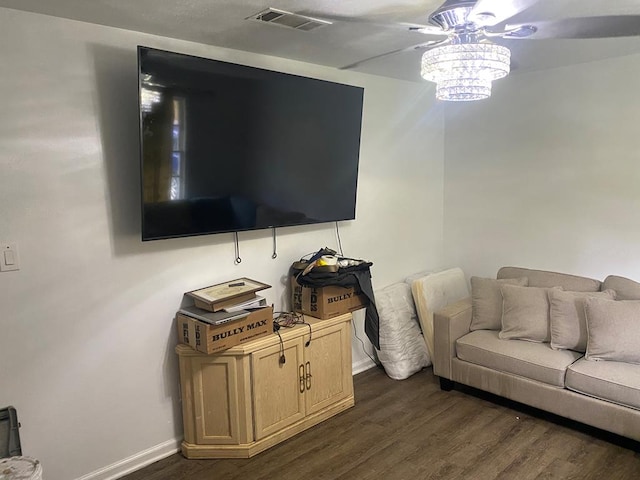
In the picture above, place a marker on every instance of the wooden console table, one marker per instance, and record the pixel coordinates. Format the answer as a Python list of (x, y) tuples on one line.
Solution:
[(244, 400)]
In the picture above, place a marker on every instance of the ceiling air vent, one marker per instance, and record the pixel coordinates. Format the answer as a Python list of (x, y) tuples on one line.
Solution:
[(288, 19)]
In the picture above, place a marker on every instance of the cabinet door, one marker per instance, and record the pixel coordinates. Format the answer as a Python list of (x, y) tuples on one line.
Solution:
[(216, 401), (278, 393), (328, 367)]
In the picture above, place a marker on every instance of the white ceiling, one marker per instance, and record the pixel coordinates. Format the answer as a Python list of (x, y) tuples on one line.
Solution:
[(222, 23)]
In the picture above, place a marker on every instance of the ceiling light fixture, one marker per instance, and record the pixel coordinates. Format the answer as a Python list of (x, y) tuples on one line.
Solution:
[(464, 70)]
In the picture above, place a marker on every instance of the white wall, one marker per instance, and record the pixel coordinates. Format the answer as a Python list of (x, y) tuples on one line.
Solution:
[(86, 349), (546, 173)]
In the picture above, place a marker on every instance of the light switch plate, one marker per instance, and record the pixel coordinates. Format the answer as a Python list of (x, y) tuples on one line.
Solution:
[(9, 260)]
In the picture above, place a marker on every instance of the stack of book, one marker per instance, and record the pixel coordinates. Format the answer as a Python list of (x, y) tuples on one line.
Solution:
[(224, 302)]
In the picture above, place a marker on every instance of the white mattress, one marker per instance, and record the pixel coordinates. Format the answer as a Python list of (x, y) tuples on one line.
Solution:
[(435, 291)]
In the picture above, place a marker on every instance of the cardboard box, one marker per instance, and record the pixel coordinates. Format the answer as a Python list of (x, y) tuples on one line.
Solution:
[(326, 302), (208, 338)]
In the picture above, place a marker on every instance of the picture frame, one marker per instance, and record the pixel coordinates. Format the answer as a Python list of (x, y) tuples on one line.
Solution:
[(221, 295)]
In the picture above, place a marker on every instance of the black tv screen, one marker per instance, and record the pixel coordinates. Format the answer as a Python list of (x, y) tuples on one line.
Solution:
[(227, 147)]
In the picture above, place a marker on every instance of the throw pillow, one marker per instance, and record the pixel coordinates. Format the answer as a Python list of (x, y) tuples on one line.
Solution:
[(625, 288), (614, 330), (486, 301), (568, 322), (525, 313)]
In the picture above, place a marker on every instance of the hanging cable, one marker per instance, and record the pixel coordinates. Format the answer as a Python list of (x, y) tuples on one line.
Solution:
[(275, 246), (364, 349), (339, 241), (291, 319), (237, 245), (282, 359)]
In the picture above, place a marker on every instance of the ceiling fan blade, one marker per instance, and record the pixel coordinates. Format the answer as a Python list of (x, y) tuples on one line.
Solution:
[(492, 12), (420, 46), (426, 29), (586, 27), (513, 31), (412, 27), (342, 18)]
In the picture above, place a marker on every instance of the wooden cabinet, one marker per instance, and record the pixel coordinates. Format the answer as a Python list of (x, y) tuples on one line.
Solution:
[(244, 400)]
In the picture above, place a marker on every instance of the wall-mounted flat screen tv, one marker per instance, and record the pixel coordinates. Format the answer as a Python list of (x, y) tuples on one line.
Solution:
[(228, 147)]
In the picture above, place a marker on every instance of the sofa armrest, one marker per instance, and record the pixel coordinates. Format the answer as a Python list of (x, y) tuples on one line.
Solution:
[(449, 324)]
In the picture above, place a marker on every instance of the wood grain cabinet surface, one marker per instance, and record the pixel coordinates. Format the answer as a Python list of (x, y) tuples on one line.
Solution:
[(244, 400)]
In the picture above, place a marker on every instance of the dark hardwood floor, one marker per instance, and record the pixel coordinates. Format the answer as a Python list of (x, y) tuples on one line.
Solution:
[(411, 429)]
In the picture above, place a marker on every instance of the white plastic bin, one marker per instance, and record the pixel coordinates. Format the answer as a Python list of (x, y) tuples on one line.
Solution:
[(20, 468)]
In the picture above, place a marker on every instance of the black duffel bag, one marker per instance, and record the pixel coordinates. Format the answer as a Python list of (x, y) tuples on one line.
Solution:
[(347, 272)]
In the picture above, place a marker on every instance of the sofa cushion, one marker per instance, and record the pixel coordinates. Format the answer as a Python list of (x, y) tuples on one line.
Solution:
[(541, 278), (616, 382), (525, 313), (614, 330), (486, 301), (536, 361), (567, 318), (625, 288)]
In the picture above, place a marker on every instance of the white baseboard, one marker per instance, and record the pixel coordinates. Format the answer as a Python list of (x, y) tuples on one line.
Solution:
[(362, 366), (163, 450), (135, 462)]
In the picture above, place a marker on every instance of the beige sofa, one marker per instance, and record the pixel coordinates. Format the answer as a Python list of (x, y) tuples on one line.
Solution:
[(585, 366)]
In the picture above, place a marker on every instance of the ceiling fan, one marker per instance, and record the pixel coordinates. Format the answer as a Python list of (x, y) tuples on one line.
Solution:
[(462, 58)]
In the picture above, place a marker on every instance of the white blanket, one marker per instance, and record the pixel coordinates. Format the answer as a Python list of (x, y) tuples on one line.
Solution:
[(402, 348)]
